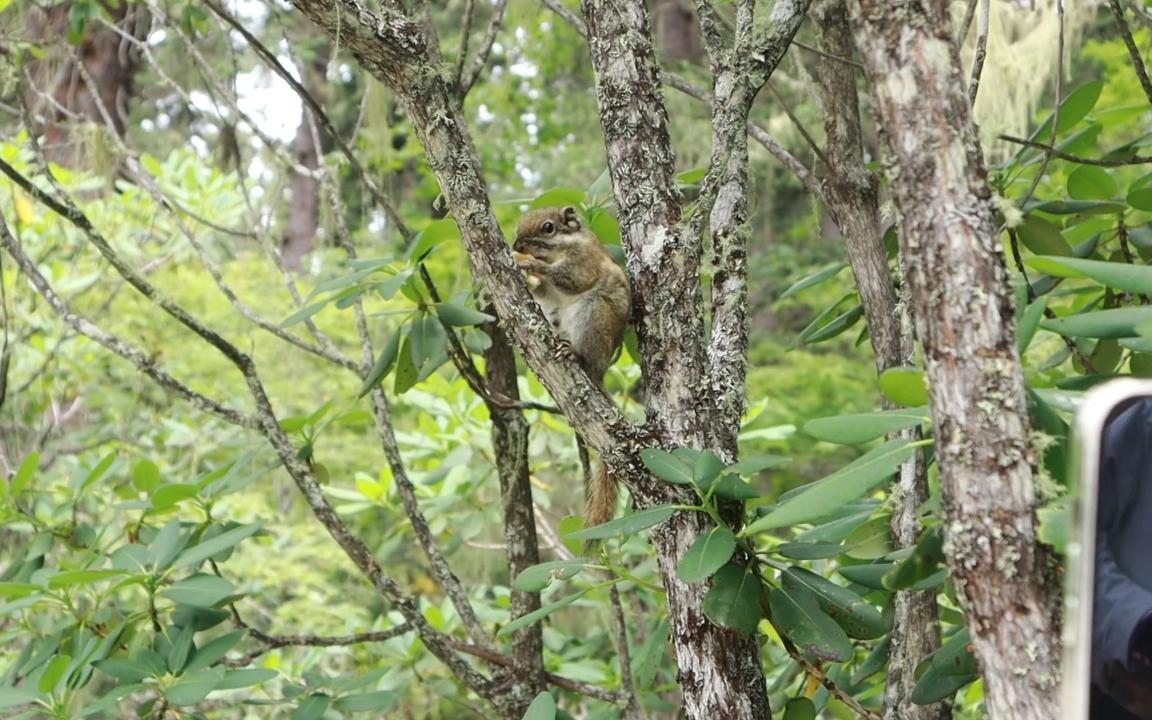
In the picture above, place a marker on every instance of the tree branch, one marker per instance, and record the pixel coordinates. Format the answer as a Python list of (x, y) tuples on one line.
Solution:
[(1054, 152), (465, 83), (981, 51), (1133, 51)]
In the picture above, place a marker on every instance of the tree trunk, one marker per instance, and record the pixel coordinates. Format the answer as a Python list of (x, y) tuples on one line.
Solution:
[(304, 210), (964, 315), (59, 96), (677, 34), (853, 198), (510, 446)]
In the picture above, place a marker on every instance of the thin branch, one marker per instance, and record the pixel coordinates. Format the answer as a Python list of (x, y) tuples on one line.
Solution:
[(317, 112), (465, 38), (1056, 110), (465, 84), (759, 134), (830, 56), (1133, 51), (327, 351), (1141, 14), (143, 362), (265, 421), (981, 51), (274, 642), (966, 23), (821, 677), (1057, 153), (797, 124), (1126, 249), (564, 683), (623, 656)]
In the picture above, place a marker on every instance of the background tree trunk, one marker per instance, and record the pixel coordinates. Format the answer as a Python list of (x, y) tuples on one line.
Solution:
[(304, 210), (58, 96), (853, 198), (964, 315)]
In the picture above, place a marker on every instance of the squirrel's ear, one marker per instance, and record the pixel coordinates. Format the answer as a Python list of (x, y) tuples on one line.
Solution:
[(571, 219)]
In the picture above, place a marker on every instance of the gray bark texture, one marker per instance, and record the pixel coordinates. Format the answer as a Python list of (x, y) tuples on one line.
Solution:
[(964, 316), (720, 672), (852, 195)]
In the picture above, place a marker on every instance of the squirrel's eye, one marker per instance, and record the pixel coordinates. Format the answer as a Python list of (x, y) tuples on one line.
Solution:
[(548, 228)]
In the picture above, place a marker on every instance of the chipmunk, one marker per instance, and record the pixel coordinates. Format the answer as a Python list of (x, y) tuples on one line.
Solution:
[(586, 297)]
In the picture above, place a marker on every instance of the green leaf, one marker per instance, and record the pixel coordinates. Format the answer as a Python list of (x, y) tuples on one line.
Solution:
[(192, 688), (924, 561), (733, 601), (127, 670), (23, 477), (1118, 275), (627, 525), (71, 578), (145, 476), (199, 590), (379, 700), (383, 364), (955, 656), (181, 648), (870, 541), (538, 577), (406, 371), (303, 314), (213, 650), (246, 677), (813, 280), (166, 545), (220, 543), (733, 488), (870, 575), (18, 589), (1141, 199), (799, 709), (706, 468), (1078, 207), (543, 707), (437, 232), (312, 707), (1089, 182), (170, 495), (808, 551), (558, 197), (798, 616), (904, 386), (460, 316), (1113, 323), (863, 428), (757, 463), (857, 617), (14, 697), (537, 615), (54, 673), (1074, 108), (836, 326), (824, 496), (1042, 237), (96, 473), (666, 466), (1029, 322), (708, 554)]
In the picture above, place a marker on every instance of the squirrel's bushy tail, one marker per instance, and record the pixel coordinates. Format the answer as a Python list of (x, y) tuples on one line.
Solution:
[(599, 489)]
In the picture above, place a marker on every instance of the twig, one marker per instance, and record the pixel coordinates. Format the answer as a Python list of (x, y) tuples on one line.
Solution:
[(821, 677), (830, 56), (466, 82), (798, 125), (1119, 162), (1056, 111), (1126, 249), (623, 656), (966, 23), (758, 133), (981, 52), (273, 642), (465, 38), (141, 360), (1133, 51), (561, 682)]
